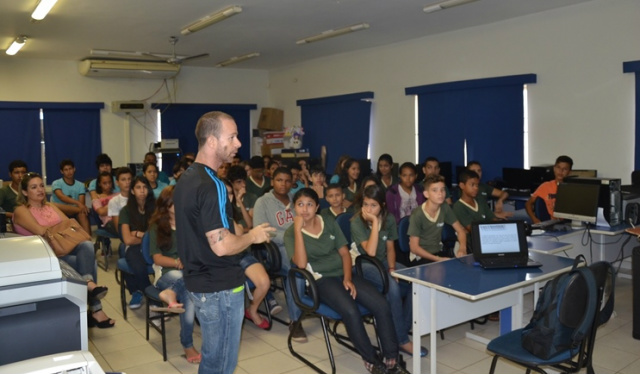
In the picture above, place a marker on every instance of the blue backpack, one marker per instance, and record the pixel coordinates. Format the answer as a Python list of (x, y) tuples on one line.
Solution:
[(564, 314)]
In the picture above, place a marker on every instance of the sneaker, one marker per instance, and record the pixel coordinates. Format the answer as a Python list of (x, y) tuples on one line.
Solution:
[(398, 370), (298, 334), (377, 368), (136, 300), (274, 307)]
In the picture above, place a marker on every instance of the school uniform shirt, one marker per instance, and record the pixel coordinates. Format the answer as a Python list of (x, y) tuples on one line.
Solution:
[(8, 198), (429, 229), (360, 232), (327, 213), (154, 250), (322, 249), (467, 214), (271, 210), (73, 190), (92, 185), (159, 187), (484, 193), (258, 189), (116, 204), (350, 194)]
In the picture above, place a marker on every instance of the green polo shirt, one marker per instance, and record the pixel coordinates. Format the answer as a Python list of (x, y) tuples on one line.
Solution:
[(360, 232), (430, 230)]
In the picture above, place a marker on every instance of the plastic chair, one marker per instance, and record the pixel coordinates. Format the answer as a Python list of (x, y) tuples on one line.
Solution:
[(344, 221), (580, 355), (311, 306), (540, 209)]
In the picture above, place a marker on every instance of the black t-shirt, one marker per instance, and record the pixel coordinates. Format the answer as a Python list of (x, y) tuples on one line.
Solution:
[(201, 205)]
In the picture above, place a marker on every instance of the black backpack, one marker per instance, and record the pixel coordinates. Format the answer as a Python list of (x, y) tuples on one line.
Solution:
[(564, 313)]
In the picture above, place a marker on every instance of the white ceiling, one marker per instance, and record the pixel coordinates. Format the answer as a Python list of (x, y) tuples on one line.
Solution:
[(270, 27)]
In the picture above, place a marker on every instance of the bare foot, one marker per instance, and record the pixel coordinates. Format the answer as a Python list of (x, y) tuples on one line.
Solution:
[(101, 316), (192, 355), (255, 316), (169, 296)]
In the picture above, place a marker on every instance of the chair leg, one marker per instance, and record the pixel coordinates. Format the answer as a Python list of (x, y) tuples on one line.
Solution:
[(147, 316), (493, 364), (326, 341), (123, 298)]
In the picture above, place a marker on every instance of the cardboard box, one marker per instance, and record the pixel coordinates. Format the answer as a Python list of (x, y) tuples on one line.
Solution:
[(273, 137), (271, 149), (271, 119)]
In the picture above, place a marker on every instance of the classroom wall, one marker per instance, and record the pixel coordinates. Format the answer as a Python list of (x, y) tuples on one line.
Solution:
[(583, 105), (59, 81)]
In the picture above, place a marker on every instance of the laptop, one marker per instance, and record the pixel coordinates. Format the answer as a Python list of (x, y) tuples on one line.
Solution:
[(501, 245)]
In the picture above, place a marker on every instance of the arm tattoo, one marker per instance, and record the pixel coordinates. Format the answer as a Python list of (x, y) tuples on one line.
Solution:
[(222, 234), (218, 236)]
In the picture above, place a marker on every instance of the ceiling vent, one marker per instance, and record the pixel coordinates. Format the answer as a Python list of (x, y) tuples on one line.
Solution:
[(127, 69)]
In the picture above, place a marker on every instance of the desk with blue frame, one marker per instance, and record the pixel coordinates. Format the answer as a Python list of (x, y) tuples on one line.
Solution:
[(451, 292)]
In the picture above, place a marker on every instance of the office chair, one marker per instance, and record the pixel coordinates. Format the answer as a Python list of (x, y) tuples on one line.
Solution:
[(269, 256), (344, 221), (574, 358), (540, 209)]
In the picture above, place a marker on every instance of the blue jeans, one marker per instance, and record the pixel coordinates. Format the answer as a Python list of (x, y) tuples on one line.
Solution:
[(292, 308), (399, 298), (83, 260), (139, 280), (173, 280), (220, 315)]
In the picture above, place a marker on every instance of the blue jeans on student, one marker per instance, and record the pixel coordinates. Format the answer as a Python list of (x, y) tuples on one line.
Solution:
[(399, 298), (139, 280), (292, 308), (173, 280), (220, 315), (83, 260)]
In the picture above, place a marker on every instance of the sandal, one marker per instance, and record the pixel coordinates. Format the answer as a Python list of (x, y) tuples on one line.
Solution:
[(93, 322), (263, 325), (97, 293), (194, 359), (171, 308), (423, 352)]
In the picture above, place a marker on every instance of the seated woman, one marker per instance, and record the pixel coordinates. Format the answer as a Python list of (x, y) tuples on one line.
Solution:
[(384, 172), (150, 171), (164, 250), (134, 222), (253, 269), (373, 231), (321, 245), (103, 193), (34, 215)]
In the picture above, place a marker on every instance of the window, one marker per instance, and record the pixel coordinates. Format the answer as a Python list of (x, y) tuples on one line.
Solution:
[(486, 114)]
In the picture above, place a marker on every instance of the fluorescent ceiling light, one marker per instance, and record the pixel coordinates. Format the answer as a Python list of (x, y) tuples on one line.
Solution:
[(332, 33), (43, 8), (211, 19), (235, 60), (445, 4), (16, 45)]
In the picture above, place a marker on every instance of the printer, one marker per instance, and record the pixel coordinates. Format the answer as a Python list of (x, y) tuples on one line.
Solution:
[(74, 362), (43, 302)]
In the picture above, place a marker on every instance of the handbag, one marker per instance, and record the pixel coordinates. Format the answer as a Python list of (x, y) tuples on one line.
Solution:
[(65, 236)]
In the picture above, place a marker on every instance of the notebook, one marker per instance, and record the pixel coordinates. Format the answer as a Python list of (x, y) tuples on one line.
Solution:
[(501, 245)]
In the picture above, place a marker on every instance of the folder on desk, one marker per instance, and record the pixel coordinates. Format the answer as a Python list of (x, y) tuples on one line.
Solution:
[(501, 245)]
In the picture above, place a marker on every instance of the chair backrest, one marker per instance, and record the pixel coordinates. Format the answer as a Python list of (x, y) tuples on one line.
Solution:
[(448, 237), (403, 236), (540, 209), (146, 252), (269, 255), (344, 221)]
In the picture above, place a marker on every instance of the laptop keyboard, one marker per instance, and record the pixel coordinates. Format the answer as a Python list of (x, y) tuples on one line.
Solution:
[(499, 262), (546, 224)]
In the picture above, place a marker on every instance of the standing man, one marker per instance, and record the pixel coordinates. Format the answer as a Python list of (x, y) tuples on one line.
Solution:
[(208, 246)]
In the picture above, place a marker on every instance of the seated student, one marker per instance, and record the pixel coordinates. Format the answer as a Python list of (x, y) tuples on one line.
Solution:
[(334, 195), (318, 183), (350, 180), (274, 208), (271, 167), (150, 171), (103, 194), (425, 224), (104, 165), (547, 190), (384, 172), (320, 246), (374, 231), (236, 160), (33, 215), (163, 248), (404, 197), (299, 180), (253, 269), (223, 170), (150, 157), (134, 222), (244, 200), (432, 166), (179, 168), (468, 209), (337, 172), (367, 181), (257, 183), (116, 203), (9, 193), (305, 175), (485, 192), (69, 195)]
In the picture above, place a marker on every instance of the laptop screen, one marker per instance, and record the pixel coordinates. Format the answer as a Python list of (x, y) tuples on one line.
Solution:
[(504, 239)]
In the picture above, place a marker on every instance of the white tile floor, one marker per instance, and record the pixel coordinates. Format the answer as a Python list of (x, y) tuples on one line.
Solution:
[(124, 348)]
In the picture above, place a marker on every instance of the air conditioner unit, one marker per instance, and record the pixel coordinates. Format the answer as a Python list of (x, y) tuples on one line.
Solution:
[(128, 106), (127, 69)]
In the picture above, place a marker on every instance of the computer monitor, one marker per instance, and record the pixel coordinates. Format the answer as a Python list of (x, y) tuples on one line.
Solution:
[(577, 202), (518, 178)]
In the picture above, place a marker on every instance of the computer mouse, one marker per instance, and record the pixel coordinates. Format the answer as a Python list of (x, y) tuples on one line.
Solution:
[(537, 232)]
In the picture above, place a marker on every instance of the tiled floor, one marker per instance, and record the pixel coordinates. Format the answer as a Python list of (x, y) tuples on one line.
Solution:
[(124, 348)]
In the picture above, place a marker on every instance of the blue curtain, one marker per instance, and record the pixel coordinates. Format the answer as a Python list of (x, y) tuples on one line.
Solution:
[(20, 129), (179, 122), (339, 122), (71, 130), (634, 67), (72, 134), (487, 113)]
